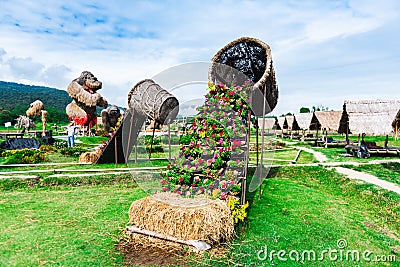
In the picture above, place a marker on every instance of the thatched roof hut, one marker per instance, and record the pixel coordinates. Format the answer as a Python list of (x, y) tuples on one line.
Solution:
[(270, 123), (281, 122), (372, 117), (329, 120), (304, 120), (396, 122), (290, 123)]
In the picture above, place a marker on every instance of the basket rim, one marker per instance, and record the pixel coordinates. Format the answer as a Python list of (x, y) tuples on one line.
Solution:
[(245, 39)]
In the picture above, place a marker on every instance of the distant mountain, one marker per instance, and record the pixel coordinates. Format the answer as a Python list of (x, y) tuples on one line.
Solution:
[(15, 99), (12, 94)]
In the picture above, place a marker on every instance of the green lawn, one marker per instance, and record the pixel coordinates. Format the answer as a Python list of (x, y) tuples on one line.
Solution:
[(388, 171), (64, 226), (303, 208), (311, 209)]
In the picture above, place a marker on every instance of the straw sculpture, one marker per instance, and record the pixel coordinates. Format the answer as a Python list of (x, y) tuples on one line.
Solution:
[(148, 99), (110, 117), (35, 109), (24, 122), (183, 218), (252, 58), (83, 91)]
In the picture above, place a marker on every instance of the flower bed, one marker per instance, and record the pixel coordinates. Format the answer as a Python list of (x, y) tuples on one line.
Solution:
[(212, 157)]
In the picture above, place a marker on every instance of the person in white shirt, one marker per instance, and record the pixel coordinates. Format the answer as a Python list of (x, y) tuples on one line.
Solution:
[(71, 134)]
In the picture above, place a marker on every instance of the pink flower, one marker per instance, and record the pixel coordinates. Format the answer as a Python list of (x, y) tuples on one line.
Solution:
[(231, 93), (180, 179), (163, 181), (164, 189)]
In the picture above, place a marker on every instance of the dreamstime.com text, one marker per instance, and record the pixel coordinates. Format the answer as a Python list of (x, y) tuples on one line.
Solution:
[(341, 253)]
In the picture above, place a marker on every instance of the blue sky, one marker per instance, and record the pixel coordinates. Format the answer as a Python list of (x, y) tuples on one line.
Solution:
[(324, 51)]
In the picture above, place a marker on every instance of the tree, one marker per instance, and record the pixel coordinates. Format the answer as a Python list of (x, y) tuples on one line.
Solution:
[(305, 110)]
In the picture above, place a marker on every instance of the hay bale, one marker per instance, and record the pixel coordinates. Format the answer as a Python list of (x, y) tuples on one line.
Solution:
[(184, 218), (88, 157)]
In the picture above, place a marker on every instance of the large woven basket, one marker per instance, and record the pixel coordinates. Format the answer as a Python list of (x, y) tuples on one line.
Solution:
[(148, 98), (247, 59)]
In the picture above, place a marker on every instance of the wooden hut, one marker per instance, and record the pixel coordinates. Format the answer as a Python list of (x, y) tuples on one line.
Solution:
[(271, 124), (396, 124), (303, 120), (372, 117), (281, 122), (329, 120)]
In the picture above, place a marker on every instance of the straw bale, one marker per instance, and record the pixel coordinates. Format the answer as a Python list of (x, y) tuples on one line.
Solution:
[(88, 157), (184, 218)]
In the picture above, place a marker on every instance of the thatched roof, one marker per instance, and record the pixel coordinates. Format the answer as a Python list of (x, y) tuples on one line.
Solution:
[(396, 122), (372, 117), (304, 120), (290, 123), (281, 121), (270, 123), (329, 120)]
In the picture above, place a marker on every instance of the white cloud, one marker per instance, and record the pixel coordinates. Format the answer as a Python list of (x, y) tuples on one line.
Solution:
[(123, 42)]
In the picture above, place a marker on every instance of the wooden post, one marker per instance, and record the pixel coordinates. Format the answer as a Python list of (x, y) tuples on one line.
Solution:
[(396, 130), (116, 150), (261, 167), (347, 133), (257, 146), (152, 138), (316, 138), (244, 181), (169, 142), (326, 138)]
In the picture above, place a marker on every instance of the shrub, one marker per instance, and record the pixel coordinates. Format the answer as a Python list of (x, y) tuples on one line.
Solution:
[(24, 156), (48, 148), (75, 151), (60, 144)]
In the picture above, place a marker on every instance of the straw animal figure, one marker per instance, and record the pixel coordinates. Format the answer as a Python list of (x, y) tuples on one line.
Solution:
[(24, 122), (36, 109), (110, 117), (83, 90)]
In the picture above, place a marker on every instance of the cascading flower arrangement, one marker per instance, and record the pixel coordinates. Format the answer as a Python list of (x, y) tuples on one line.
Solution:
[(212, 156)]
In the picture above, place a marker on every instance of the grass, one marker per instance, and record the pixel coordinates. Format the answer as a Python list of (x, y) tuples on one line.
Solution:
[(77, 221), (387, 171), (311, 208), (64, 226), (338, 155)]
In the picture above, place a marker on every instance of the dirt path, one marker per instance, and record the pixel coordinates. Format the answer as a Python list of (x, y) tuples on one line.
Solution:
[(318, 155), (352, 174)]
